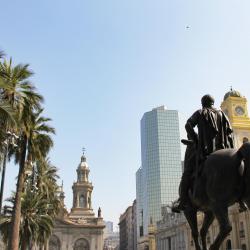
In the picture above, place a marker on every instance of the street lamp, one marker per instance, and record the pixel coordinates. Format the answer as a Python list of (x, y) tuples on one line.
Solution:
[(10, 140)]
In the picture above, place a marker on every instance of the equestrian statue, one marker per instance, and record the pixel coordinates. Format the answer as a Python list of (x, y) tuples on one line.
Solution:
[(216, 175)]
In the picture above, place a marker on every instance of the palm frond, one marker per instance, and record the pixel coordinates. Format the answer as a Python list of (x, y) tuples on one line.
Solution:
[(2, 54)]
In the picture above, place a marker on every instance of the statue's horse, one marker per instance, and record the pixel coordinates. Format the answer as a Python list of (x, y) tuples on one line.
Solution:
[(224, 180)]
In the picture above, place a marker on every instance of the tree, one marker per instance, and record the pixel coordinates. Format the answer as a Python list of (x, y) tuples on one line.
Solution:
[(22, 97), (7, 115), (35, 219), (40, 204), (46, 183), (40, 141)]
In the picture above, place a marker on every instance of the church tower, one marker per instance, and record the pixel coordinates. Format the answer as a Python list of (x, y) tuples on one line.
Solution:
[(81, 228), (82, 191), (235, 107)]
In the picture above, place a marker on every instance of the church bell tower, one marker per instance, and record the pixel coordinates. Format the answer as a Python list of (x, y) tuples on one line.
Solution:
[(235, 107), (82, 191)]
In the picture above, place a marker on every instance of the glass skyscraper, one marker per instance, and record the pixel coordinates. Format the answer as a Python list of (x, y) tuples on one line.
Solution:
[(158, 178)]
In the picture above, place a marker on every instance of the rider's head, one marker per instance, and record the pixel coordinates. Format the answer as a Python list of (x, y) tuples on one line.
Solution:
[(207, 101)]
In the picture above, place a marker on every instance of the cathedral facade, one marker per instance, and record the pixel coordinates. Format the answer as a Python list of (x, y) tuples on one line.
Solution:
[(79, 229)]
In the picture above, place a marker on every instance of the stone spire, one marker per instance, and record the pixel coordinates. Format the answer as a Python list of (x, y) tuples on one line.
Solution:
[(83, 171), (61, 194), (82, 191)]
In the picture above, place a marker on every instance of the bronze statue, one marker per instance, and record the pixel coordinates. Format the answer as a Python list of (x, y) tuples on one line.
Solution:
[(214, 133), (218, 187), (212, 175), (99, 212)]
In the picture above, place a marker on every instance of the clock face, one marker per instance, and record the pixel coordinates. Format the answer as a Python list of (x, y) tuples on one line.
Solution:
[(239, 110)]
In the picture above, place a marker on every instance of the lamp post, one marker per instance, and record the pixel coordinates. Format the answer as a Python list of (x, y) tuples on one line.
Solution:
[(10, 140)]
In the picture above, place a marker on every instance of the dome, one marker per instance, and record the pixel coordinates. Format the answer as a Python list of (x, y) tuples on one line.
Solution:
[(83, 164), (232, 93)]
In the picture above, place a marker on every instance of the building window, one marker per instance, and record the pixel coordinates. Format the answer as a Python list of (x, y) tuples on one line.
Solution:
[(228, 245), (141, 231), (244, 247), (54, 243), (82, 201), (208, 239), (242, 231), (169, 244), (81, 175), (192, 243), (81, 244)]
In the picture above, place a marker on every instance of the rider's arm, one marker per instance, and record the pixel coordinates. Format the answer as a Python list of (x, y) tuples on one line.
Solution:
[(191, 123)]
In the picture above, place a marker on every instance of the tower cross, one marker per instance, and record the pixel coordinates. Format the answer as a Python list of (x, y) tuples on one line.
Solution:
[(83, 150)]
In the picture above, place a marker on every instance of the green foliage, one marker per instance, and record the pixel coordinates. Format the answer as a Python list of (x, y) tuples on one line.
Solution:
[(39, 206), (21, 112), (35, 218)]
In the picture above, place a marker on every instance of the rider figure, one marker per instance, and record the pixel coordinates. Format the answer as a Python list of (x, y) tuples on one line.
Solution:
[(214, 133)]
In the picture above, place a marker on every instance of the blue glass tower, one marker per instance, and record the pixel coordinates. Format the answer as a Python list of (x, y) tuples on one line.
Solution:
[(158, 179)]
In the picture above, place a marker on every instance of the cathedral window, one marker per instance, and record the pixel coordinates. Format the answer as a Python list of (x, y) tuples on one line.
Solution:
[(81, 176), (54, 243), (81, 244), (82, 201)]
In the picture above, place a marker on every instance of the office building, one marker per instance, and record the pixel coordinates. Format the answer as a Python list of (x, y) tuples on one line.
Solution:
[(158, 178)]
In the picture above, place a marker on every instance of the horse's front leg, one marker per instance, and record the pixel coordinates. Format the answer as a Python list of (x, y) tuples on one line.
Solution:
[(208, 220), (191, 216), (221, 213)]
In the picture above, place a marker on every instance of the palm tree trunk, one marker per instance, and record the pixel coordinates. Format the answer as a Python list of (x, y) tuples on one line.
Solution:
[(2, 180), (13, 243), (24, 245)]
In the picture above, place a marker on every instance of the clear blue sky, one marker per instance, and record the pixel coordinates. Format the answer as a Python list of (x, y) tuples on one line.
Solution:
[(101, 64)]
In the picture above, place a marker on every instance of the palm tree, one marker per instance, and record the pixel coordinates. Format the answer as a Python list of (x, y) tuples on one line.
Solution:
[(34, 218), (1, 54), (46, 177), (40, 204), (40, 141), (21, 95), (38, 145), (7, 114), (19, 89), (7, 119)]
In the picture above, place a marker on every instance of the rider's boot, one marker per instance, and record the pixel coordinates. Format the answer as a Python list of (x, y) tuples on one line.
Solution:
[(182, 204), (183, 200)]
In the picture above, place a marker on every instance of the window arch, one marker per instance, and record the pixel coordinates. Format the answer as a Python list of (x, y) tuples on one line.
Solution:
[(244, 247), (81, 244), (54, 243), (82, 201)]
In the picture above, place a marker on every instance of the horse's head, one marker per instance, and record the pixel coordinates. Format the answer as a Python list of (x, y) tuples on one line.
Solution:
[(244, 151)]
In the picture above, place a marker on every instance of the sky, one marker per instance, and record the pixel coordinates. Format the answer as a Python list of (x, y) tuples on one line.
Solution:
[(100, 65)]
